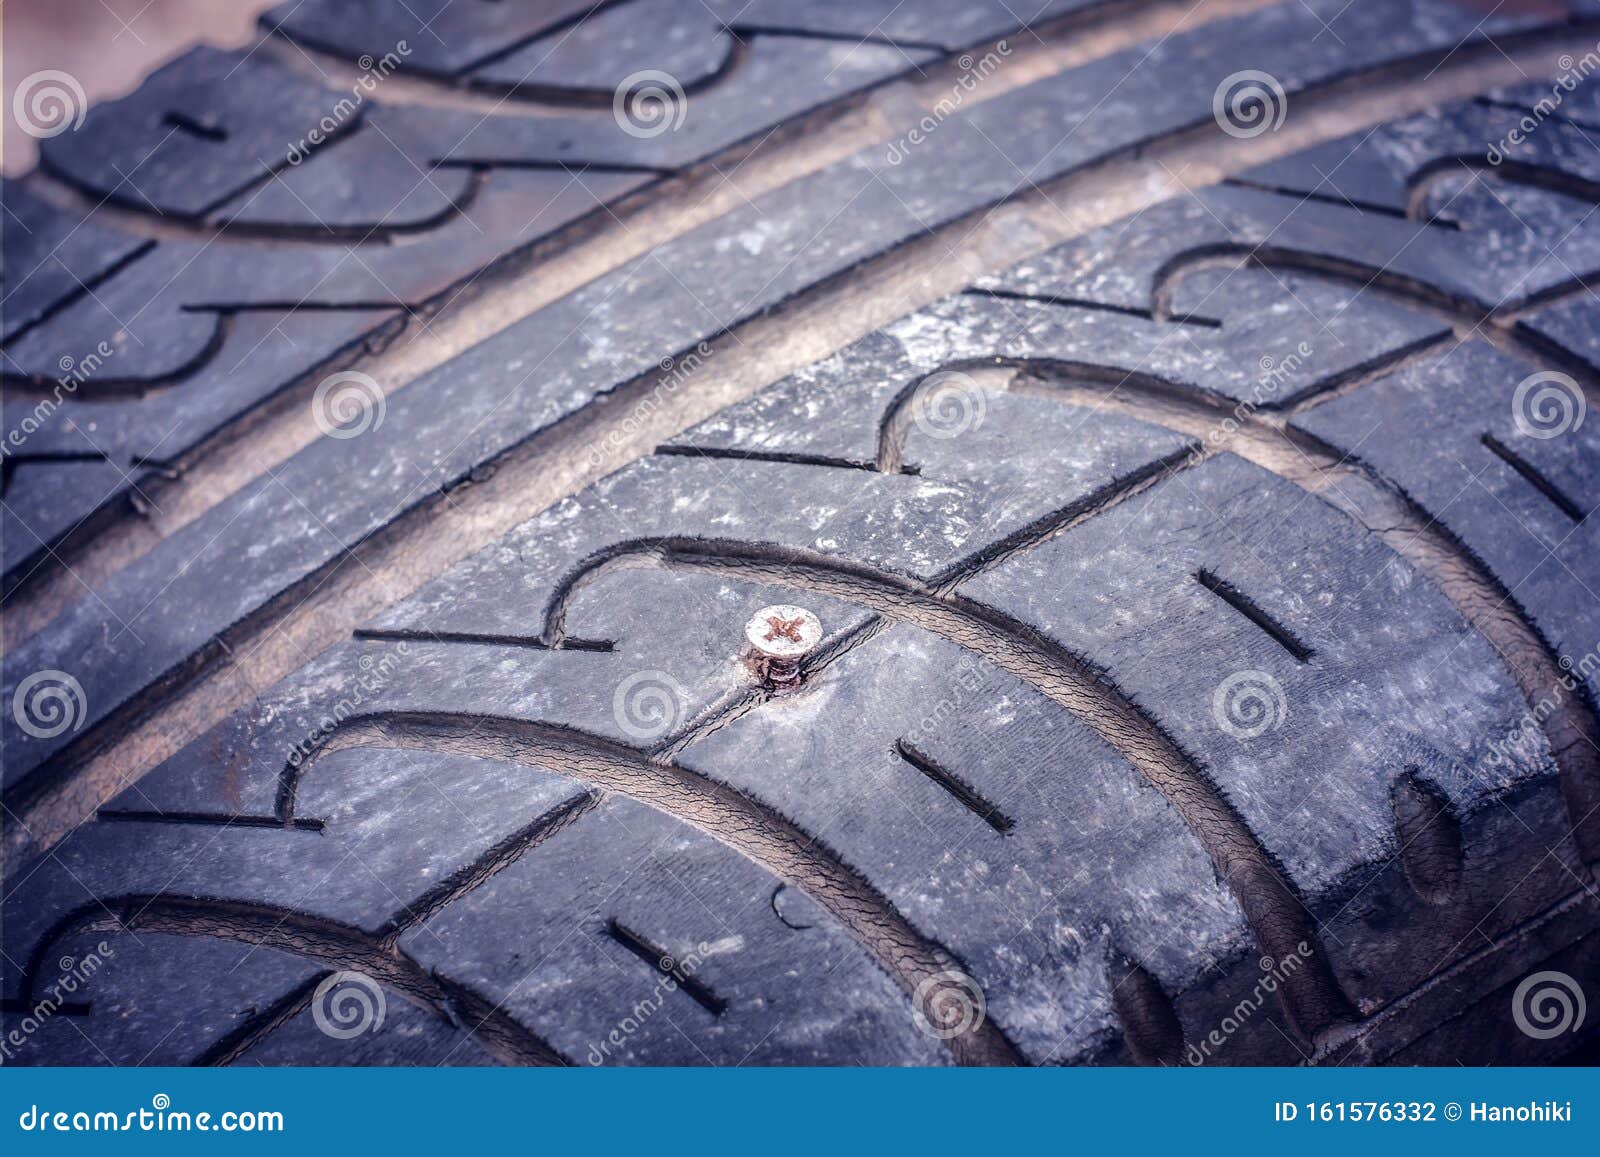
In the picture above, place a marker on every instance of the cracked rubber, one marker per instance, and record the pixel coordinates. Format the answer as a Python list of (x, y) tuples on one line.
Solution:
[(1209, 665)]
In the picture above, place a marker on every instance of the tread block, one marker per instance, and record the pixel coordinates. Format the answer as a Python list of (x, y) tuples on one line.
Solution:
[(1395, 685), (370, 863), (367, 182), (914, 528), (407, 1035), (1526, 226), (45, 497), (111, 996), (572, 938), (1092, 860), (599, 51), (837, 408), (554, 48), (1577, 104), (194, 134), (1572, 327), (152, 338), (1375, 169), (1134, 264), (51, 255), (951, 24), (442, 36), (1524, 533)]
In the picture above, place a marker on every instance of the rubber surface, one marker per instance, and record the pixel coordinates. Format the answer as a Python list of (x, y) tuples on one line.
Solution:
[(1198, 511)]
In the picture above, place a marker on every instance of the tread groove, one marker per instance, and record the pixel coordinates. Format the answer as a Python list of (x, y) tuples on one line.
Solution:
[(478, 638), (738, 821), (958, 789), (208, 819), (1533, 477), (341, 946), (662, 961), (1240, 602)]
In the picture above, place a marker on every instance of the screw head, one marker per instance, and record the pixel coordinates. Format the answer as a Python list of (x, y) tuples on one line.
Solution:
[(783, 633)]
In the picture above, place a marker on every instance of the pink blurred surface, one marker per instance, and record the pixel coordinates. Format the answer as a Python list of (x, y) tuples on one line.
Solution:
[(108, 46)]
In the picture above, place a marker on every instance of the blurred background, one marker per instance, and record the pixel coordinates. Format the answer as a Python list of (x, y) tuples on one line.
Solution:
[(107, 45)]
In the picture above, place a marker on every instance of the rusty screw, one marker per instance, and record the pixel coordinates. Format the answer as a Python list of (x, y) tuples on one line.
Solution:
[(780, 637)]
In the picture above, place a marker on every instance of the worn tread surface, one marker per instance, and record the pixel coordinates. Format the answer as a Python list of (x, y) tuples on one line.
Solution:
[(1209, 670)]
